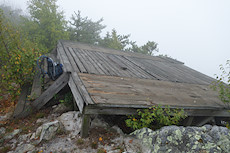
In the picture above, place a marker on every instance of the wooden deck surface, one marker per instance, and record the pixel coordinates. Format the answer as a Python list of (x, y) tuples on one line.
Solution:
[(100, 76), (120, 90), (97, 60)]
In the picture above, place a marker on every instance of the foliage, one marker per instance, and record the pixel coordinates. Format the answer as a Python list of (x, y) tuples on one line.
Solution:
[(46, 24), (83, 29), (122, 42), (68, 99), (115, 41), (155, 117), (14, 15), (17, 57), (222, 87), (149, 48)]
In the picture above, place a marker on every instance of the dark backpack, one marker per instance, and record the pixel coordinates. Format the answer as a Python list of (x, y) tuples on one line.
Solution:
[(54, 69)]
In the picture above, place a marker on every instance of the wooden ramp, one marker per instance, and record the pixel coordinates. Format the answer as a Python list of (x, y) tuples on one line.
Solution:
[(107, 81)]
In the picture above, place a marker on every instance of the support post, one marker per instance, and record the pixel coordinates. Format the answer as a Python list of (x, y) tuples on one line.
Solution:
[(85, 126)]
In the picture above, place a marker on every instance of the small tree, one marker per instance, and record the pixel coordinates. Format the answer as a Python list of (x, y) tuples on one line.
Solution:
[(85, 30), (222, 84), (115, 41), (46, 23)]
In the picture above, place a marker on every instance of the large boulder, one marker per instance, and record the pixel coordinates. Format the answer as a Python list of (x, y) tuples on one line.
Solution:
[(186, 139), (72, 122)]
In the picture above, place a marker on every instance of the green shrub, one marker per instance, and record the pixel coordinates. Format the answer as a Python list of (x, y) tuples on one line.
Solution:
[(68, 99), (222, 84), (17, 57), (155, 117)]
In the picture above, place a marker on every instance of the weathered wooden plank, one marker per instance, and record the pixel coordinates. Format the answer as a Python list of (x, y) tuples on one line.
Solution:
[(135, 69), (94, 62), (77, 60), (138, 64), (121, 66), (90, 47), (116, 62), (187, 77), (132, 109), (61, 60), (37, 84), (195, 74), (111, 66), (21, 101), (93, 109), (81, 88), (51, 91), (121, 90), (71, 60), (89, 67), (104, 64), (99, 62), (63, 57), (77, 96)]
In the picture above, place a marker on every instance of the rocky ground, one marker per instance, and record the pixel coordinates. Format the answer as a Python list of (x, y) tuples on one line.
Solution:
[(57, 130)]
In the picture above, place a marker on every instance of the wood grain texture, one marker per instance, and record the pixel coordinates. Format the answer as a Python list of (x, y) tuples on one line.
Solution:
[(121, 90), (76, 94), (81, 88), (51, 91)]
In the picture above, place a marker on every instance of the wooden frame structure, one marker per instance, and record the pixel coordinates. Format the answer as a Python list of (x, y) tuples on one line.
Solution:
[(107, 81)]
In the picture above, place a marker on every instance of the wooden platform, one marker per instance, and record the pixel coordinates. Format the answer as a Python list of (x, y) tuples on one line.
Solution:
[(107, 81)]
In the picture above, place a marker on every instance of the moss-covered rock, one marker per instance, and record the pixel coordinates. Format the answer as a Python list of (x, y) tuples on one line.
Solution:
[(186, 139)]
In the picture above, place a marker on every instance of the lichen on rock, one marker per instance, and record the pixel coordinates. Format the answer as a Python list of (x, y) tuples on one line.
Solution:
[(185, 139)]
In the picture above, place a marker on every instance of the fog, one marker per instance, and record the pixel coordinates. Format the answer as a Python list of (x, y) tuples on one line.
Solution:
[(193, 31)]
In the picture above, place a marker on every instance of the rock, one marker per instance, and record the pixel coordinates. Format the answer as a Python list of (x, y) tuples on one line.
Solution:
[(185, 139), (24, 137), (2, 130), (41, 120), (6, 116), (98, 122), (11, 135), (48, 130), (61, 108), (24, 148), (37, 134), (134, 146), (13, 143), (72, 122), (118, 130), (59, 145)]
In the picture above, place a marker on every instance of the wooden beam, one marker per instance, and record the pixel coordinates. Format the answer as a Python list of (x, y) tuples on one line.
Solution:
[(20, 107), (51, 91), (36, 86), (77, 96), (63, 57), (82, 89)]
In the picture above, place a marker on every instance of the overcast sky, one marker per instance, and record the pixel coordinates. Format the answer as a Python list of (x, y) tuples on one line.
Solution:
[(196, 32)]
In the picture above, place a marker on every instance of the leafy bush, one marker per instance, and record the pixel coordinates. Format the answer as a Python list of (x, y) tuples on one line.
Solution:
[(17, 57), (155, 117), (222, 84), (68, 99)]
